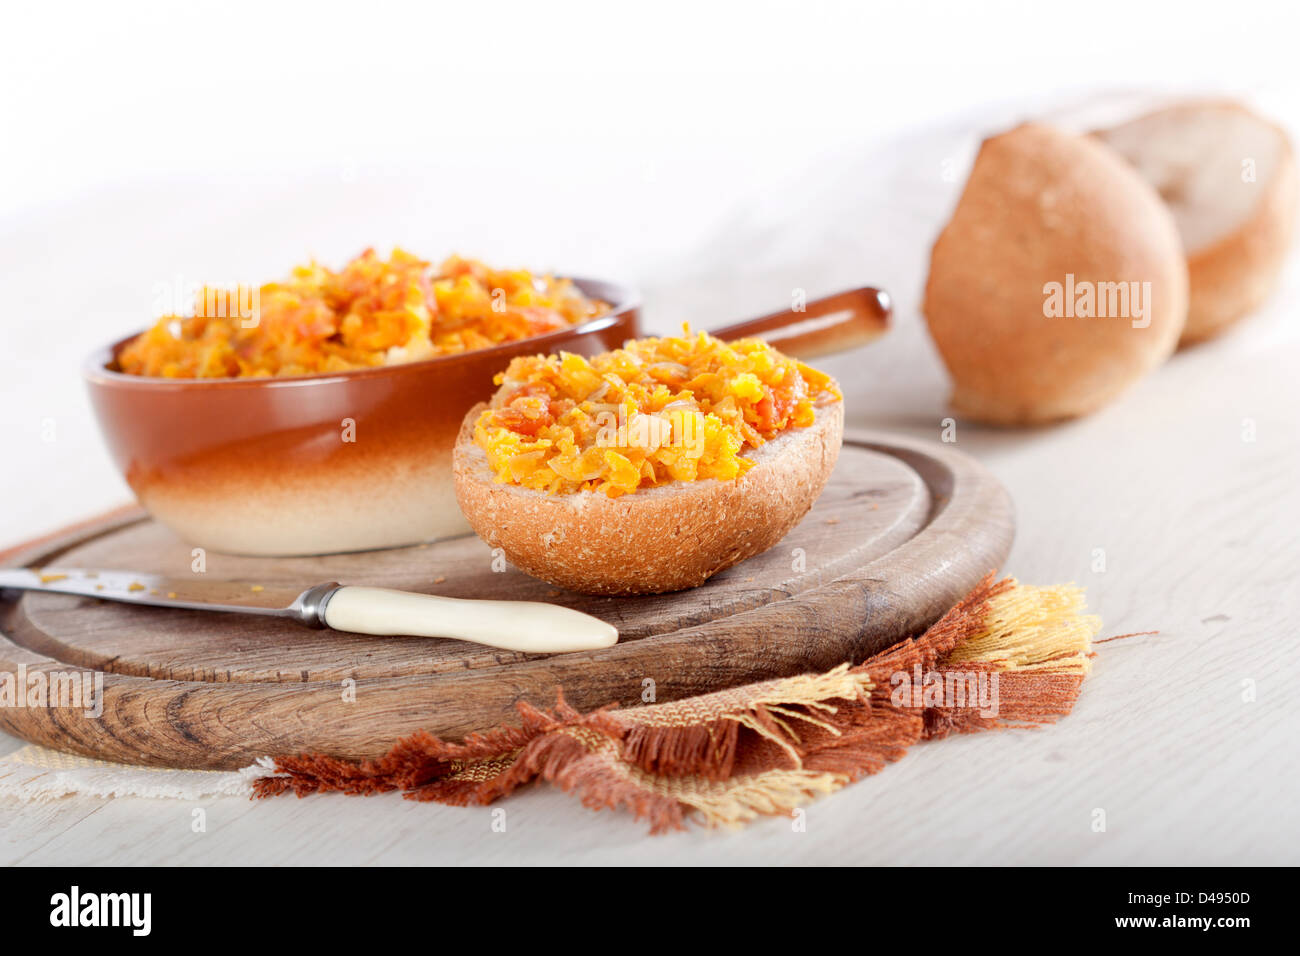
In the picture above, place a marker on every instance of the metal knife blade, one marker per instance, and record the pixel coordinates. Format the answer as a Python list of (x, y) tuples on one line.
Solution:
[(134, 587)]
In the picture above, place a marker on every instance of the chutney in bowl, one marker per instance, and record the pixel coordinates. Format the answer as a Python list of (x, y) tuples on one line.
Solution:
[(312, 461)]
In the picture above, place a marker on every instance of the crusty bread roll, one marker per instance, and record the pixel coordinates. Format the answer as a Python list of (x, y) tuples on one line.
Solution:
[(659, 539), (1229, 178), (1043, 206)]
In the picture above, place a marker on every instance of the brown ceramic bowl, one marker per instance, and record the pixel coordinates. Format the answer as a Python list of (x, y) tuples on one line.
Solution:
[(351, 461)]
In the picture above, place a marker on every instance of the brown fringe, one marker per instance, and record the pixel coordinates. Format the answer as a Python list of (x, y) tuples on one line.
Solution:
[(759, 749)]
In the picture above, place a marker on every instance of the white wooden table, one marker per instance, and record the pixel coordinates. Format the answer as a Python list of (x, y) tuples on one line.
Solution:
[(1187, 487)]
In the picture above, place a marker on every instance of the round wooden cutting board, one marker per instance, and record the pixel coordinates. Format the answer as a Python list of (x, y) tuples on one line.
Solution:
[(902, 531)]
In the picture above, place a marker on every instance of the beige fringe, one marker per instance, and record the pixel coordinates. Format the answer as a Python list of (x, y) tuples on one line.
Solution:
[(1034, 628), (772, 793)]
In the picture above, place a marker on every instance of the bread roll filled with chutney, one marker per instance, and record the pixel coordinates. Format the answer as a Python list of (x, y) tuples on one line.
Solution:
[(649, 468)]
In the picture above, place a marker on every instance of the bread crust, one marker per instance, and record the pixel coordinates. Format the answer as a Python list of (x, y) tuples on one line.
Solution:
[(1232, 276), (668, 538), (1042, 204)]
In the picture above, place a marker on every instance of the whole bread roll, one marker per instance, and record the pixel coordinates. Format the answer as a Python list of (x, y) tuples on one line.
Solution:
[(1229, 178), (1058, 282)]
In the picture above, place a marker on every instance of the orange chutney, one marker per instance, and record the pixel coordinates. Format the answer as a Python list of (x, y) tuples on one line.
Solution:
[(655, 411), (371, 312)]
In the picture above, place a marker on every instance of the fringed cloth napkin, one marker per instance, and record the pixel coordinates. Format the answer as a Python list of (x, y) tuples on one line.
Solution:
[(1006, 656)]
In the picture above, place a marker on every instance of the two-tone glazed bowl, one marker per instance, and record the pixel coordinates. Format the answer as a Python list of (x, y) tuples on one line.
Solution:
[(315, 464), (357, 460)]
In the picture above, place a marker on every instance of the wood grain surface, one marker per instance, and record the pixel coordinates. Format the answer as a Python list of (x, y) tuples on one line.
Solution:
[(903, 529)]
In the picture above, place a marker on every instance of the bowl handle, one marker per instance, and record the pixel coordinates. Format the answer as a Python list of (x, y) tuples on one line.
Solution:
[(835, 323)]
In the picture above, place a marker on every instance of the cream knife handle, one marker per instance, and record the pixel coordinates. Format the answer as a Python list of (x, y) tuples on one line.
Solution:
[(513, 625)]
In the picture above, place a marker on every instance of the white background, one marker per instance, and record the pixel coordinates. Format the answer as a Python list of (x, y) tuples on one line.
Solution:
[(717, 156)]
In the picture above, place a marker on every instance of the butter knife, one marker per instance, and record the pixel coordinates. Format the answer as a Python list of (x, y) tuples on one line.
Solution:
[(529, 626)]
